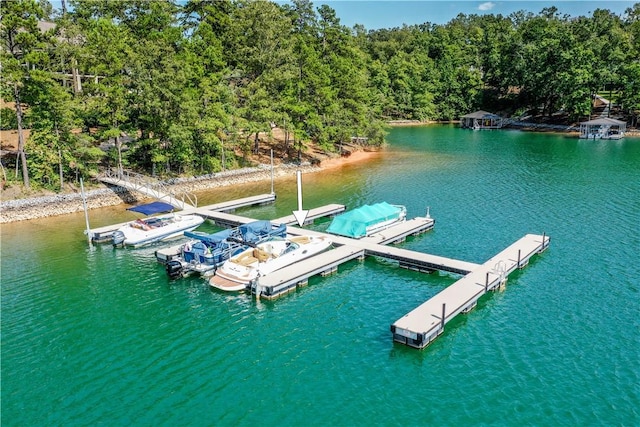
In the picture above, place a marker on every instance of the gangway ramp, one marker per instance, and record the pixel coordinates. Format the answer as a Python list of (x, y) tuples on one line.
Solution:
[(138, 183)]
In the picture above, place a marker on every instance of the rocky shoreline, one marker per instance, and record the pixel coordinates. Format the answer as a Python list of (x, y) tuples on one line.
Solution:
[(61, 204)]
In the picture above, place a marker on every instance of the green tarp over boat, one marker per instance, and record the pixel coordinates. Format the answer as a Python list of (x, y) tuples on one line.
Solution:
[(354, 223)]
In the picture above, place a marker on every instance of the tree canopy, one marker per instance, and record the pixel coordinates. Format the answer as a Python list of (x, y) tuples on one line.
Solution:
[(174, 87)]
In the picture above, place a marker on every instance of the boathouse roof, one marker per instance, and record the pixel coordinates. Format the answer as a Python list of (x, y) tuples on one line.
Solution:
[(604, 121), (480, 114)]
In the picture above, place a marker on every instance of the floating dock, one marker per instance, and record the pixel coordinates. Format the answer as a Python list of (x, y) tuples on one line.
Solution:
[(422, 325), (231, 205), (425, 323)]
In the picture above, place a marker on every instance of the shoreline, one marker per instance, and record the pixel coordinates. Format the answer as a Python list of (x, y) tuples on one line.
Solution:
[(66, 203), (24, 209)]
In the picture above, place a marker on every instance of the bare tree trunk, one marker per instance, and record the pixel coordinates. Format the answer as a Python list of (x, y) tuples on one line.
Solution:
[(21, 154), (75, 75)]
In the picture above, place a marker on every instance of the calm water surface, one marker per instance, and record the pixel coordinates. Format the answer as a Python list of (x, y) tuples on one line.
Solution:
[(101, 336)]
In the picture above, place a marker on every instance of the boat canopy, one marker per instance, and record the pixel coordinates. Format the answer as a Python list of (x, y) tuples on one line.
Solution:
[(354, 223), (152, 208)]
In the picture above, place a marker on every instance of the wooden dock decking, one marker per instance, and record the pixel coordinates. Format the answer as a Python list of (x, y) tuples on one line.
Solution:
[(422, 325)]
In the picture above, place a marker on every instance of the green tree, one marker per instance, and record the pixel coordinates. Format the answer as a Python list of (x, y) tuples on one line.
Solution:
[(52, 117), (24, 48), (106, 99)]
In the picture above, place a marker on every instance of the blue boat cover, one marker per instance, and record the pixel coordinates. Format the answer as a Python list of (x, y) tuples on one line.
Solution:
[(256, 230), (152, 208), (251, 232), (212, 239), (354, 223)]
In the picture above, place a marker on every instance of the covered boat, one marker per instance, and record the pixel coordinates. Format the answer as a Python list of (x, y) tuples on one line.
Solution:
[(153, 229), (204, 252), (273, 253), (367, 220)]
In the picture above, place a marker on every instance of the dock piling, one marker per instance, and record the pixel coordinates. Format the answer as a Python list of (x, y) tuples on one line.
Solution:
[(86, 210)]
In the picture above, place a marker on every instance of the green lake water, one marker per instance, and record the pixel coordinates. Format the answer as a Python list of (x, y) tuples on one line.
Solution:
[(98, 336)]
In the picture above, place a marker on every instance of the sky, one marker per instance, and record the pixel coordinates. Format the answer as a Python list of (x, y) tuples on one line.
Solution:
[(376, 14)]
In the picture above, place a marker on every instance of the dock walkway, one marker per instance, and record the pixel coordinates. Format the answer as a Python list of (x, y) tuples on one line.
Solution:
[(422, 325), (376, 245), (289, 278)]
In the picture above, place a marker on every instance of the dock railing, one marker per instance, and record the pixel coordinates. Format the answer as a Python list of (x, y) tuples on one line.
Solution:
[(149, 186)]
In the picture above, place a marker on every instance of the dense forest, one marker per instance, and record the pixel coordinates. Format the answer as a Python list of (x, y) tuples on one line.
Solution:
[(185, 87)]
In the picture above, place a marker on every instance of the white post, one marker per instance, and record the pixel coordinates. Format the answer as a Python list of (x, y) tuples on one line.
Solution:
[(86, 211), (272, 171)]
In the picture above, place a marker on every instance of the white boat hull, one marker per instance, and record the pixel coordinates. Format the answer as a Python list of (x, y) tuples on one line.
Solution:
[(137, 233), (239, 272), (384, 225)]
